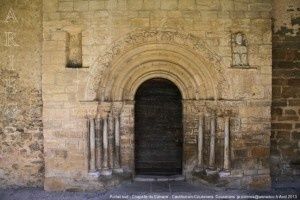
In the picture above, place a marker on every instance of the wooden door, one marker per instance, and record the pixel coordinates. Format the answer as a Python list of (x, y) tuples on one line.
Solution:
[(158, 128)]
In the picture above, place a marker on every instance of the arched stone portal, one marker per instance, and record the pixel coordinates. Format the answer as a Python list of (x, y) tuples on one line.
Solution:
[(158, 128), (115, 81), (183, 60)]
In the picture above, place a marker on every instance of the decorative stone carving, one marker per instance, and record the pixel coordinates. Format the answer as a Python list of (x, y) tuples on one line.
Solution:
[(239, 50), (135, 39)]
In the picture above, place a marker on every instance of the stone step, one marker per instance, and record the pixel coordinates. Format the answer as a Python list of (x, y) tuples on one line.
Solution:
[(152, 178)]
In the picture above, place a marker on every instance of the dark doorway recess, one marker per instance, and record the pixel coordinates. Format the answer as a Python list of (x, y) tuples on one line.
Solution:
[(158, 128)]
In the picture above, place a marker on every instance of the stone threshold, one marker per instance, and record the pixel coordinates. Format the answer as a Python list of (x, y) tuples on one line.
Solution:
[(155, 178)]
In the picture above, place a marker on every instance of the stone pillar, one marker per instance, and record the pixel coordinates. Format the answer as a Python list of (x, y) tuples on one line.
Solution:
[(87, 149), (105, 170), (226, 145), (225, 172), (99, 136), (92, 146), (200, 143), (212, 143), (117, 145), (111, 141)]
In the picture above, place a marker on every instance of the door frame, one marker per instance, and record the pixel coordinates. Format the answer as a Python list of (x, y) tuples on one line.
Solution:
[(182, 130)]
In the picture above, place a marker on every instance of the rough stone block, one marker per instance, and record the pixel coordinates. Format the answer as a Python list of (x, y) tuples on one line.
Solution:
[(294, 102), (240, 153), (250, 172), (296, 135), (169, 4), (55, 97), (134, 4), (59, 36), (97, 5), (54, 184), (240, 6), (263, 171), (139, 22), (227, 5), (209, 15), (260, 7), (151, 5), (187, 5), (50, 6), (81, 5), (260, 152), (66, 6), (290, 92), (208, 5)]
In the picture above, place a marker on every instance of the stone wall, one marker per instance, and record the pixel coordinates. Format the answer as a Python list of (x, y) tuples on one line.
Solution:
[(125, 42), (285, 138), (96, 53), (93, 35), (21, 138)]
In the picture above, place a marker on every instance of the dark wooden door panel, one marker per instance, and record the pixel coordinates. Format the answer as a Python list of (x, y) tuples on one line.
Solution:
[(158, 128)]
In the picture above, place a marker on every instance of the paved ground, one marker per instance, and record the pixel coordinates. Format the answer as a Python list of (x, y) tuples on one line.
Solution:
[(156, 190)]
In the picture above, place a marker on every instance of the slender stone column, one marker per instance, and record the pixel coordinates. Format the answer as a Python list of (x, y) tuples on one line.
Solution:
[(105, 170), (117, 145), (92, 146), (87, 149), (212, 142), (200, 142), (99, 145), (226, 145), (111, 141)]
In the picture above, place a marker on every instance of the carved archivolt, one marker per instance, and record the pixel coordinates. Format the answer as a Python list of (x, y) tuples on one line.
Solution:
[(182, 58)]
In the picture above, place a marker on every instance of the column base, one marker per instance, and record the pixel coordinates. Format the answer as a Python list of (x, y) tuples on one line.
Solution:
[(94, 174), (199, 169), (211, 171), (118, 170), (106, 172), (224, 173)]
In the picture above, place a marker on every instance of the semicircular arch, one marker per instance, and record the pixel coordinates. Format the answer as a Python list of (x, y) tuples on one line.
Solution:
[(183, 59)]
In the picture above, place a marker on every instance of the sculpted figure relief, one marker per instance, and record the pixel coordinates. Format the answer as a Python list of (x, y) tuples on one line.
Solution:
[(239, 50)]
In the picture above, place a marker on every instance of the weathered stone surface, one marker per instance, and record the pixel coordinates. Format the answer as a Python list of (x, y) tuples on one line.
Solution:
[(285, 116), (127, 42), (21, 137)]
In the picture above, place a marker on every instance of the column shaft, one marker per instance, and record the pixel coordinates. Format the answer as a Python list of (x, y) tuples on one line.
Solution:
[(92, 146), (212, 142), (111, 142), (200, 141), (117, 142), (105, 145), (99, 145), (226, 145), (87, 149)]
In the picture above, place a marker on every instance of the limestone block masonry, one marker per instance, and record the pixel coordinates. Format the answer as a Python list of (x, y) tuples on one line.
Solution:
[(21, 136), (126, 42), (285, 138), (70, 70)]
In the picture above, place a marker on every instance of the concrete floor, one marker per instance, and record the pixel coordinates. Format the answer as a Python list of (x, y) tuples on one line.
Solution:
[(153, 190)]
